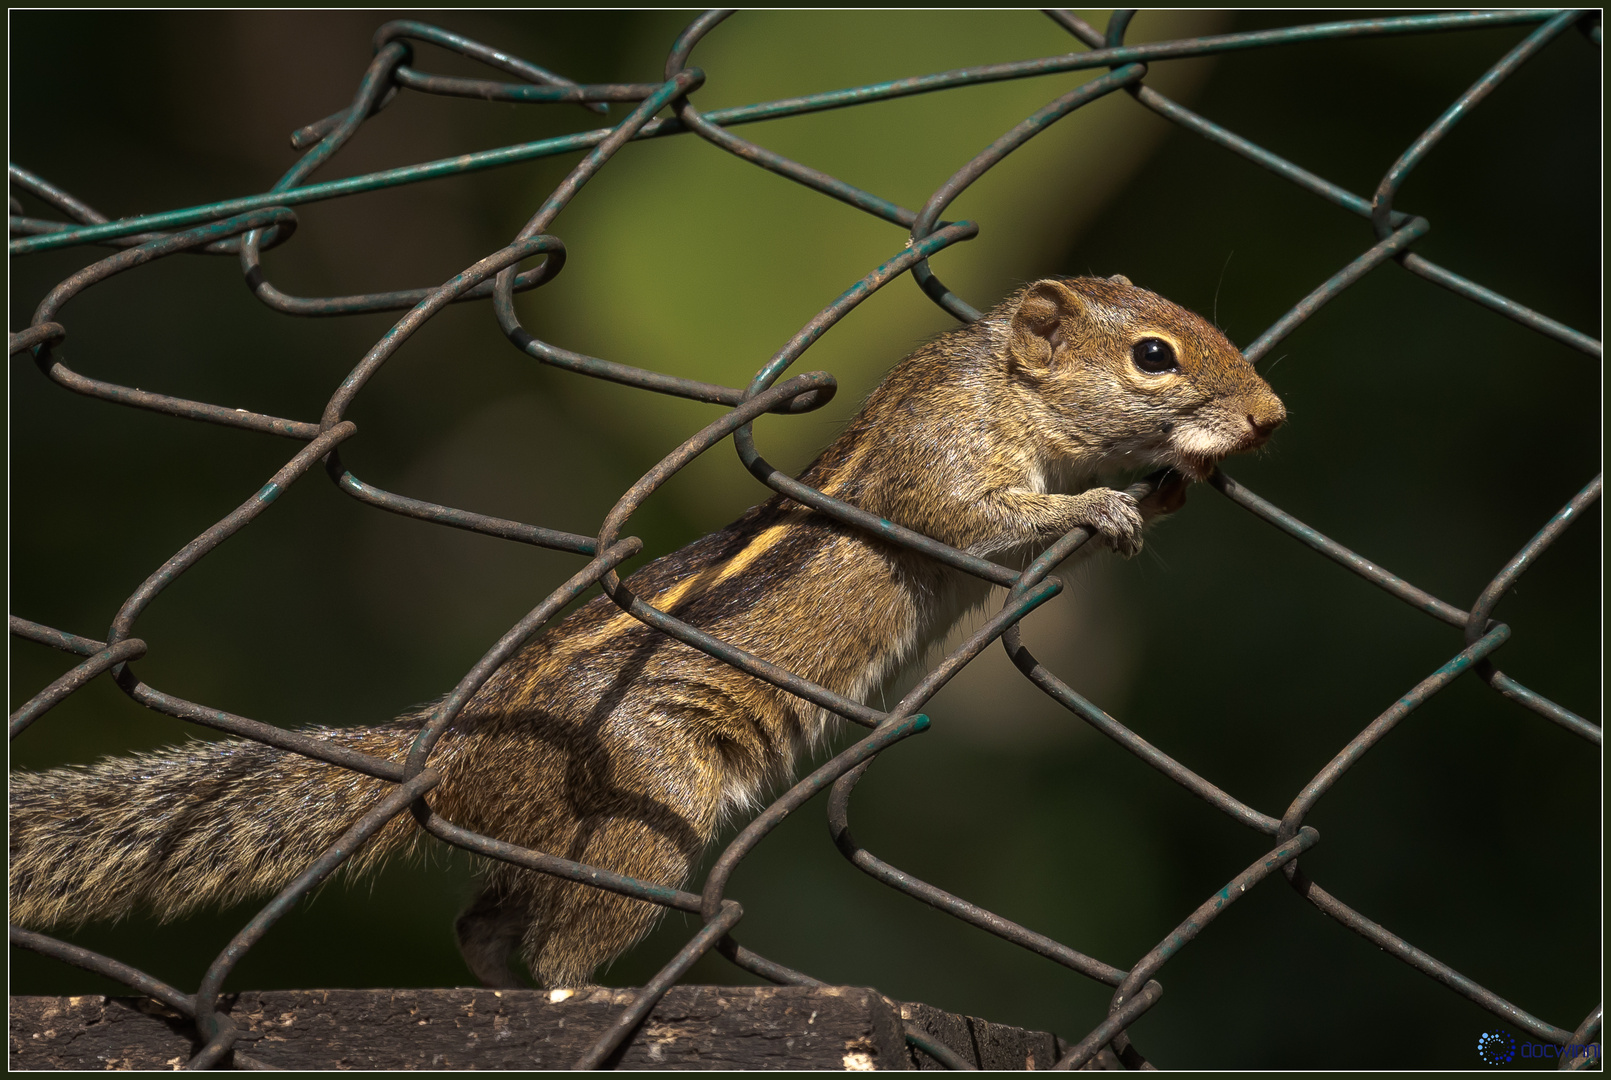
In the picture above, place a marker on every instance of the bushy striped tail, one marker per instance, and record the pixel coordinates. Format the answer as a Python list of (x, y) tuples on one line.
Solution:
[(177, 829)]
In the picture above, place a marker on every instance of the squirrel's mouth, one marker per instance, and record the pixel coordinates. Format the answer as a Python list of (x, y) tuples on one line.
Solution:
[(1196, 466), (1195, 450)]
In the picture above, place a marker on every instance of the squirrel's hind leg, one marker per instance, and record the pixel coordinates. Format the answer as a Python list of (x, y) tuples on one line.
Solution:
[(581, 927), (492, 927)]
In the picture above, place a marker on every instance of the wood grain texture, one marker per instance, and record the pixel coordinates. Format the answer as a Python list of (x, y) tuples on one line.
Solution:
[(693, 1027)]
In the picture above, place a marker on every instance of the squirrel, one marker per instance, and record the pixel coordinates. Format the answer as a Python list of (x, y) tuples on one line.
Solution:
[(603, 740)]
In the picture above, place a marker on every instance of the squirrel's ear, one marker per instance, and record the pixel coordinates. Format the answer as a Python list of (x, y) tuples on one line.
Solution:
[(1120, 279), (1038, 326)]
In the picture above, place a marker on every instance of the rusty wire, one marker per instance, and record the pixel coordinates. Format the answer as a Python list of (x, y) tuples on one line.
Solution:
[(245, 227)]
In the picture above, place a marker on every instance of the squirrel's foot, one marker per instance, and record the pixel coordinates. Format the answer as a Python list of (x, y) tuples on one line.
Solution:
[(1166, 498), (1113, 515)]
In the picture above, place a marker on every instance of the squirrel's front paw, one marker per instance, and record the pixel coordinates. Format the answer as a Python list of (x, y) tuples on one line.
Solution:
[(1114, 515), (1168, 497)]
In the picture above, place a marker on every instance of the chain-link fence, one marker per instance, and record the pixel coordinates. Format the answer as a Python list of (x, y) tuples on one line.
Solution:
[(245, 228)]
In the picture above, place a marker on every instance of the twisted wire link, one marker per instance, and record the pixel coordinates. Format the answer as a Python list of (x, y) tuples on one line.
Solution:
[(249, 226)]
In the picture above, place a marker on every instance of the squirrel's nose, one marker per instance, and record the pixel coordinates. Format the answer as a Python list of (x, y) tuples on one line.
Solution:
[(1266, 417), (1264, 425)]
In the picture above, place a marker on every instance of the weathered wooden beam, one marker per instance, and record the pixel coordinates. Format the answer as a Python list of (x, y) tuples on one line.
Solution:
[(693, 1027)]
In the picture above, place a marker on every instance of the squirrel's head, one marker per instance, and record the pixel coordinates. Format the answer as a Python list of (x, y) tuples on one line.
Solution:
[(1123, 374)]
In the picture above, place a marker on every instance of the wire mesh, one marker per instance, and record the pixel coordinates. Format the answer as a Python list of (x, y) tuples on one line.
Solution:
[(244, 228)]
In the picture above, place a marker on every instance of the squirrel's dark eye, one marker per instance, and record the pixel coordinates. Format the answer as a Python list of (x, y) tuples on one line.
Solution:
[(1154, 356)]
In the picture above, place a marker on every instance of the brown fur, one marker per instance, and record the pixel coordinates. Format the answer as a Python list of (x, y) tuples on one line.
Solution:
[(605, 741)]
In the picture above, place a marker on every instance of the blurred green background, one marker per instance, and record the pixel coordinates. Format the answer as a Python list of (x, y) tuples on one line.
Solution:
[(1431, 435)]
